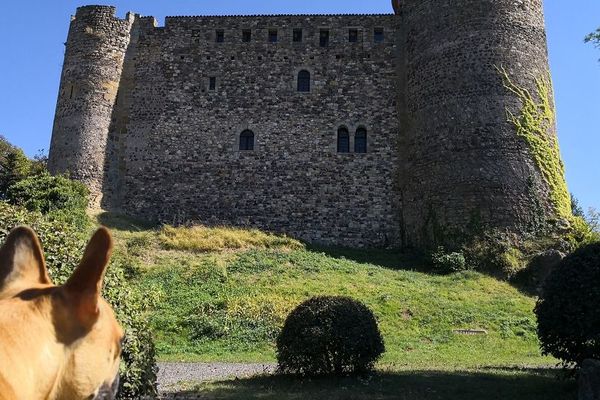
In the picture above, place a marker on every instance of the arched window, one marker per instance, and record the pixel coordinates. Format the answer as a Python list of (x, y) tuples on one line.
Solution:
[(304, 81), (247, 140), (343, 140), (360, 141)]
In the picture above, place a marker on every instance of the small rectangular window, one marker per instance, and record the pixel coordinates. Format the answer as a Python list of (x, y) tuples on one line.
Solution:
[(246, 35), (272, 35), (212, 83), (324, 38), (378, 36), (297, 35), (219, 36), (353, 35)]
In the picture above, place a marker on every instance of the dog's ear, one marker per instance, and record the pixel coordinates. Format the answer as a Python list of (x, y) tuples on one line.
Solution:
[(84, 286), (22, 260)]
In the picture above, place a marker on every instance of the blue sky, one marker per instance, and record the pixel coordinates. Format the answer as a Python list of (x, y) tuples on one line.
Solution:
[(33, 33)]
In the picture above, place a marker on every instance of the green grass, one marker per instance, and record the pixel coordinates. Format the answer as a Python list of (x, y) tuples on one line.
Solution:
[(200, 238), (230, 305), (493, 384)]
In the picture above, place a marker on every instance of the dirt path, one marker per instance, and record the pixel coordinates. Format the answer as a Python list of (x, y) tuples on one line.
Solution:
[(170, 375)]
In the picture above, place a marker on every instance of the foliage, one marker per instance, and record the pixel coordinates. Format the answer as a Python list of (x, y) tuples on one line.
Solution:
[(63, 245), (576, 207), (55, 196), (535, 124), (329, 335), (567, 312), (594, 37), (495, 253), (448, 262), (593, 221), (205, 239), (14, 166)]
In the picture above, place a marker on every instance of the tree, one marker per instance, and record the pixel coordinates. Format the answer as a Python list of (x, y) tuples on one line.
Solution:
[(14, 165), (594, 37), (576, 207), (593, 219)]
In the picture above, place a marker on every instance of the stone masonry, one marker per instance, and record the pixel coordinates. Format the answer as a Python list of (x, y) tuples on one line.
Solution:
[(151, 119)]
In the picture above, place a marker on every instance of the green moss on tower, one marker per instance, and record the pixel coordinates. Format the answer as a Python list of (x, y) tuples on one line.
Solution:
[(535, 124)]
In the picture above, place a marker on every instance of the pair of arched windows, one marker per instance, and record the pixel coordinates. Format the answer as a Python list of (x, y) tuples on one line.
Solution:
[(343, 140)]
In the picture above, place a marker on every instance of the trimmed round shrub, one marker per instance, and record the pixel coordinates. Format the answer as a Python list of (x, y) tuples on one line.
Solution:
[(63, 245), (568, 311), (329, 336)]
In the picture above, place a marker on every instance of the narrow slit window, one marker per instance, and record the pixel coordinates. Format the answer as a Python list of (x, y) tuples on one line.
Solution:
[(273, 36), (343, 140), (219, 35), (353, 35), (71, 92), (247, 140), (297, 35), (246, 35), (304, 81), (378, 35), (360, 141), (324, 38), (212, 83)]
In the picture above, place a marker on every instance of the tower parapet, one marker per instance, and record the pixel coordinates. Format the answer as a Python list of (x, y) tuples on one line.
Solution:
[(95, 50), (465, 164)]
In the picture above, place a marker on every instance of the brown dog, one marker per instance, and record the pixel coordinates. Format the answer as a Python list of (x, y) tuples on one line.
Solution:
[(56, 342)]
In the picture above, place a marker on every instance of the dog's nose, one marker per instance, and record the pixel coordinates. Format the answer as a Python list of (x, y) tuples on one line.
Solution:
[(108, 391)]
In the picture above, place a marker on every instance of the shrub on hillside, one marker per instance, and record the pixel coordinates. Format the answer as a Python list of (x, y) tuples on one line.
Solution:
[(567, 311), (496, 253), (56, 196), (63, 245), (448, 262), (329, 335)]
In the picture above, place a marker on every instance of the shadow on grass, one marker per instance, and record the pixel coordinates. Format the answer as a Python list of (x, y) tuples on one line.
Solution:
[(505, 384), (396, 259), (123, 222)]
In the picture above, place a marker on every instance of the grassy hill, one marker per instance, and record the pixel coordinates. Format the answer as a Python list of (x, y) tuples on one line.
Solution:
[(224, 294)]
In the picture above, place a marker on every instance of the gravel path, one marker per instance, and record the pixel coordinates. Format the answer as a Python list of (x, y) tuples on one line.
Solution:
[(170, 374)]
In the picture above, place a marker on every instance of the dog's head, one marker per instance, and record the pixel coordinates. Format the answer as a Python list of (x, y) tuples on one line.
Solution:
[(77, 328)]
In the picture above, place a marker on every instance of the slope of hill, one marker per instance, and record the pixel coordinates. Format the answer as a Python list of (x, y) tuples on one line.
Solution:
[(229, 303)]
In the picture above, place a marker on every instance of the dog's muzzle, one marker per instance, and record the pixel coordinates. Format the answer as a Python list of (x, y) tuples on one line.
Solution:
[(108, 392)]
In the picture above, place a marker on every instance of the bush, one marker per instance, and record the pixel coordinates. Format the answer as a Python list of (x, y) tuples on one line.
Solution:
[(445, 262), (63, 245), (495, 253), (329, 335), (567, 311), (14, 166), (57, 196)]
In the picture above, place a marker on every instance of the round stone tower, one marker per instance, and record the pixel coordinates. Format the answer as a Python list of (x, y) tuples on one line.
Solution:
[(465, 167), (95, 51)]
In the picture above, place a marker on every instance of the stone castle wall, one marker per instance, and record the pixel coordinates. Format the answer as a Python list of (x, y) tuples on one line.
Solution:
[(94, 55), (440, 154), (465, 165), (181, 157)]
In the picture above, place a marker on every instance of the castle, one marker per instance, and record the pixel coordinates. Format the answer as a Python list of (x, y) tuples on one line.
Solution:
[(357, 130)]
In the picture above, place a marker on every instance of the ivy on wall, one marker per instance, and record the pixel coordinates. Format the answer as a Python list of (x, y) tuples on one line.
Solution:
[(535, 124)]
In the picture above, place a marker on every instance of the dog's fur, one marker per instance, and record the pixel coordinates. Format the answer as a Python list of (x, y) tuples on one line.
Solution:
[(56, 342)]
